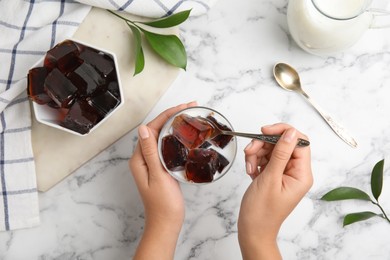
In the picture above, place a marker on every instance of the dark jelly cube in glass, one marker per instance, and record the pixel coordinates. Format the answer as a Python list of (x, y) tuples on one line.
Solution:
[(104, 103), (100, 61), (86, 78), (201, 165), (81, 117), (191, 131), (63, 56), (220, 140), (60, 89), (222, 162), (35, 86), (174, 153), (205, 145)]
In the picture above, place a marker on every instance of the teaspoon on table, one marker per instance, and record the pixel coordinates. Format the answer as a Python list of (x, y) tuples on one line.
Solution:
[(273, 139), (288, 78)]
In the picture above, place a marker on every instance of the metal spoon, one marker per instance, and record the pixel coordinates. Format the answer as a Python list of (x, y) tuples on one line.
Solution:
[(273, 139), (288, 78)]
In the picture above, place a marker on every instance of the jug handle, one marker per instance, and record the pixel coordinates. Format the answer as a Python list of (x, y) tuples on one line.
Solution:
[(376, 13)]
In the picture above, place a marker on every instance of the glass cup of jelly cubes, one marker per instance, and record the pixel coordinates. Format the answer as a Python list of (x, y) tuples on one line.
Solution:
[(75, 87), (188, 152)]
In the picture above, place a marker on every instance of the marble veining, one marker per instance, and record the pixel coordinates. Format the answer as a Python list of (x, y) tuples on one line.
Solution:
[(96, 213)]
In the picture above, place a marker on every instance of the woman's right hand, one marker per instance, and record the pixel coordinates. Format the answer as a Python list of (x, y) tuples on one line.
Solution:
[(281, 176)]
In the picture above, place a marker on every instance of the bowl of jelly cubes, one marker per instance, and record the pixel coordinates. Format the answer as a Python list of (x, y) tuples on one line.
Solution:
[(75, 87), (188, 151)]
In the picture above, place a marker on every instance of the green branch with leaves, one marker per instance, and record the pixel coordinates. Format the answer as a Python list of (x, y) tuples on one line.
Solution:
[(168, 47), (347, 193)]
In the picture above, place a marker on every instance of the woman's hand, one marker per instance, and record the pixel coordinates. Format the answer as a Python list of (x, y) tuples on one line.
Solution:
[(160, 193), (281, 176)]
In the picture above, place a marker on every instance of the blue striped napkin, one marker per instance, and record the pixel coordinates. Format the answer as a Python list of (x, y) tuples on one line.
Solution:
[(153, 8), (29, 28)]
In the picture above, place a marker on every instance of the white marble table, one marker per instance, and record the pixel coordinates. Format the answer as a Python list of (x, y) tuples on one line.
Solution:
[(96, 213)]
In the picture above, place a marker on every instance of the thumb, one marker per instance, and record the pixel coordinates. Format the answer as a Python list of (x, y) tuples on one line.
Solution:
[(149, 149), (281, 153)]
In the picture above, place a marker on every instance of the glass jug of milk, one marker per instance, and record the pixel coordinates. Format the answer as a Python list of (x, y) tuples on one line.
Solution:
[(327, 26)]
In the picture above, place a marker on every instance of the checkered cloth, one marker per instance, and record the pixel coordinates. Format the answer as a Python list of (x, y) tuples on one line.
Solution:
[(153, 8), (29, 28)]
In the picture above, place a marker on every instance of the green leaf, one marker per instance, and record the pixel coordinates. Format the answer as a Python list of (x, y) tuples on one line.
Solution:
[(169, 47), (169, 21), (377, 179), (139, 53), (358, 216), (345, 193)]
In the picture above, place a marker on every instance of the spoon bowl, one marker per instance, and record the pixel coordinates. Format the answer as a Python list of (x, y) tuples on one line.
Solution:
[(287, 77)]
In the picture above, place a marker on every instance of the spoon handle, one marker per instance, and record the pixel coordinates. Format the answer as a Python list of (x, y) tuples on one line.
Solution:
[(273, 139), (339, 130)]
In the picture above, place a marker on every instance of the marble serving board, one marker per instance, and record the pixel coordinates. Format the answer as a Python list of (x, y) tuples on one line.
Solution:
[(57, 153)]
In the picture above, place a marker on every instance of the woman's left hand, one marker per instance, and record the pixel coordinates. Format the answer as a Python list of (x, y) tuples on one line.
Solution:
[(161, 195)]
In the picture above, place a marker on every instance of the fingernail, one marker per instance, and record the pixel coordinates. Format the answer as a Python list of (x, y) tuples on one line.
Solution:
[(289, 135), (267, 126), (248, 146), (248, 168), (143, 132)]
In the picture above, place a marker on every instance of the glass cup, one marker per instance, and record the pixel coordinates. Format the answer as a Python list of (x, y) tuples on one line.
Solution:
[(229, 151)]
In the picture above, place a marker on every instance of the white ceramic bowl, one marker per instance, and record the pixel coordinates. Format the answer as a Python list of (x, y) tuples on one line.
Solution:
[(50, 116), (229, 152)]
